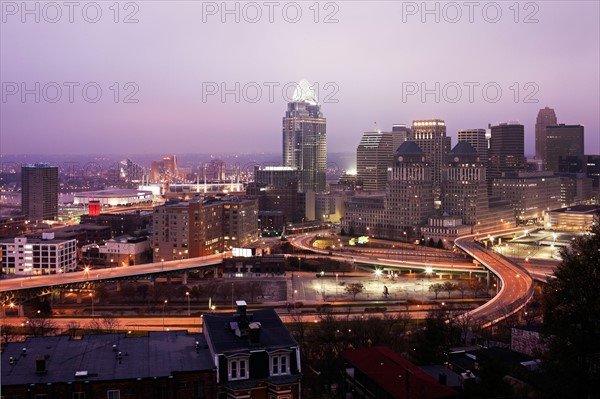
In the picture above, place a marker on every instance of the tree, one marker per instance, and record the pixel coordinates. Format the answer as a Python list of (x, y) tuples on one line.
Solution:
[(436, 289), (354, 289), (572, 320), (449, 287), (462, 287)]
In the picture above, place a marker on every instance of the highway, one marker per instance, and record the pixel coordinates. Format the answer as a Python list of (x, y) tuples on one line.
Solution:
[(516, 282), (49, 280)]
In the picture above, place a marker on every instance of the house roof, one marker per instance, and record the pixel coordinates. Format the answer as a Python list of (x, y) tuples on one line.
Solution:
[(396, 375), (159, 354), (222, 340)]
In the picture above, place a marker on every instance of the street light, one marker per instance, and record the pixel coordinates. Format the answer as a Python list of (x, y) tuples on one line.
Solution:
[(91, 296), (164, 307), (188, 299), (163, 264)]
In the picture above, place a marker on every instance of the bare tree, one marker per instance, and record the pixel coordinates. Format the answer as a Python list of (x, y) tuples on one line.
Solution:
[(449, 287), (110, 324), (40, 326), (354, 289), (462, 287), (436, 289)]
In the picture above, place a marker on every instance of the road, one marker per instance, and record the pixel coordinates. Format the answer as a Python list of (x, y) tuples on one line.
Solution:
[(50, 280), (517, 283)]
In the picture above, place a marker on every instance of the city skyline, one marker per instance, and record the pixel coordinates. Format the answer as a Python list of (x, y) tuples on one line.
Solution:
[(376, 74)]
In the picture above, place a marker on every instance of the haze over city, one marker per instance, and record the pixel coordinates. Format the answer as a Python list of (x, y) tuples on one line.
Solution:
[(173, 63)]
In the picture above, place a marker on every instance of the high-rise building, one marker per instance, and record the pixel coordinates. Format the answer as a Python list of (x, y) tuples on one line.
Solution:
[(562, 141), (430, 137), (409, 197), (39, 191), (374, 155), (546, 116), (304, 139), (400, 133), (507, 149), (464, 188), (478, 140), (197, 228)]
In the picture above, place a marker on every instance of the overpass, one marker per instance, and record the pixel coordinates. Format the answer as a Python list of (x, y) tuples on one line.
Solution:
[(46, 282), (516, 283)]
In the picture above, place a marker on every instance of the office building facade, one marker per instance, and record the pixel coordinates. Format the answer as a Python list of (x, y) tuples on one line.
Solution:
[(305, 139), (39, 192), (546, 116), (507, 149), (375, 153), (562, 141), (478, 140), (31, 256)]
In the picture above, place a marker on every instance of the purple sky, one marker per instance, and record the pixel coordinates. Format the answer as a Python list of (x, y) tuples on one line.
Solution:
[(368, 55)]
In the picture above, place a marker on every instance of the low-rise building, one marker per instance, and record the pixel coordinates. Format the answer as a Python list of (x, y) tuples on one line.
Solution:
[(254, 354), (168, 365), (254, 266), (35, 256), (380, 373), (446, 229), (577, 217)]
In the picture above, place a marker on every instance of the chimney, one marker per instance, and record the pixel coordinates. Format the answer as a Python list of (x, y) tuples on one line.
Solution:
[(254, 332), (241, 309), (40, 365)]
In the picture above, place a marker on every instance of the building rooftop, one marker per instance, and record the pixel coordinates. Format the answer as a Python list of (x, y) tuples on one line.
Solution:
[(11, 240), (92, 358), (409, 148), (389, 370), (588, 209), (221, 339), (463, 148)]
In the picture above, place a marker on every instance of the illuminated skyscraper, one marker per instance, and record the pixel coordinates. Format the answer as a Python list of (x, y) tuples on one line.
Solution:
[(545, 117), (430, 136), (304, 139), (39, 191)]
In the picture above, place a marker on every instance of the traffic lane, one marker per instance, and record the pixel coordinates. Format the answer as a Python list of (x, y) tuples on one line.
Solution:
[(41, 281)]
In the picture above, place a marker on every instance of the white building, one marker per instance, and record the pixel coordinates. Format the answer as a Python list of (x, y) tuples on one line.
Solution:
[(29, 256)]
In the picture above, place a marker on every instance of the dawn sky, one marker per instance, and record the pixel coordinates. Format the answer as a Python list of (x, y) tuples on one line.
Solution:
[(161, 77)]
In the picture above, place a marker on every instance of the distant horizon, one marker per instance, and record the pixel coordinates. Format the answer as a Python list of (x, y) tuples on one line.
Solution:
[(151, 79)]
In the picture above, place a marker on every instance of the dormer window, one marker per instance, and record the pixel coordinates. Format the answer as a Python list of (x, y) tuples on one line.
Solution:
[(238, 369), (279, 363)]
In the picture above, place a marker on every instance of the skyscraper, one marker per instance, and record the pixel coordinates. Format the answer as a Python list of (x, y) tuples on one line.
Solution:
[(507, 149), (545, 117), (561, 141), (304, 139), (430, 136), (374, 155), (400, 133), (39, 191), (464, 192), (477, 139), (409, 196)]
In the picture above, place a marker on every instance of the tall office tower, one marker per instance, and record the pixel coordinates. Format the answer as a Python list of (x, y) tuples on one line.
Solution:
[(430, 136), (171, 170), (130, 171), (409, 197), (562, 141), (545, 117), (39, 191), (304, 139), (477, 139), (464, 188), (507, 149), (375, 153), (400, 133)]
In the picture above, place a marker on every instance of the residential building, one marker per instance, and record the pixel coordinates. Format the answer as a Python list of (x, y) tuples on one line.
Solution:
[(380, 373), (254, 354), (166, 365), (30, 256)]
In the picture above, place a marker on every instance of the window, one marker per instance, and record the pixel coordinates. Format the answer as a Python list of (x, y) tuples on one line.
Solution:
[(238, 369), (280, 364), (114, 394), (78, 395), (199, 390)]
